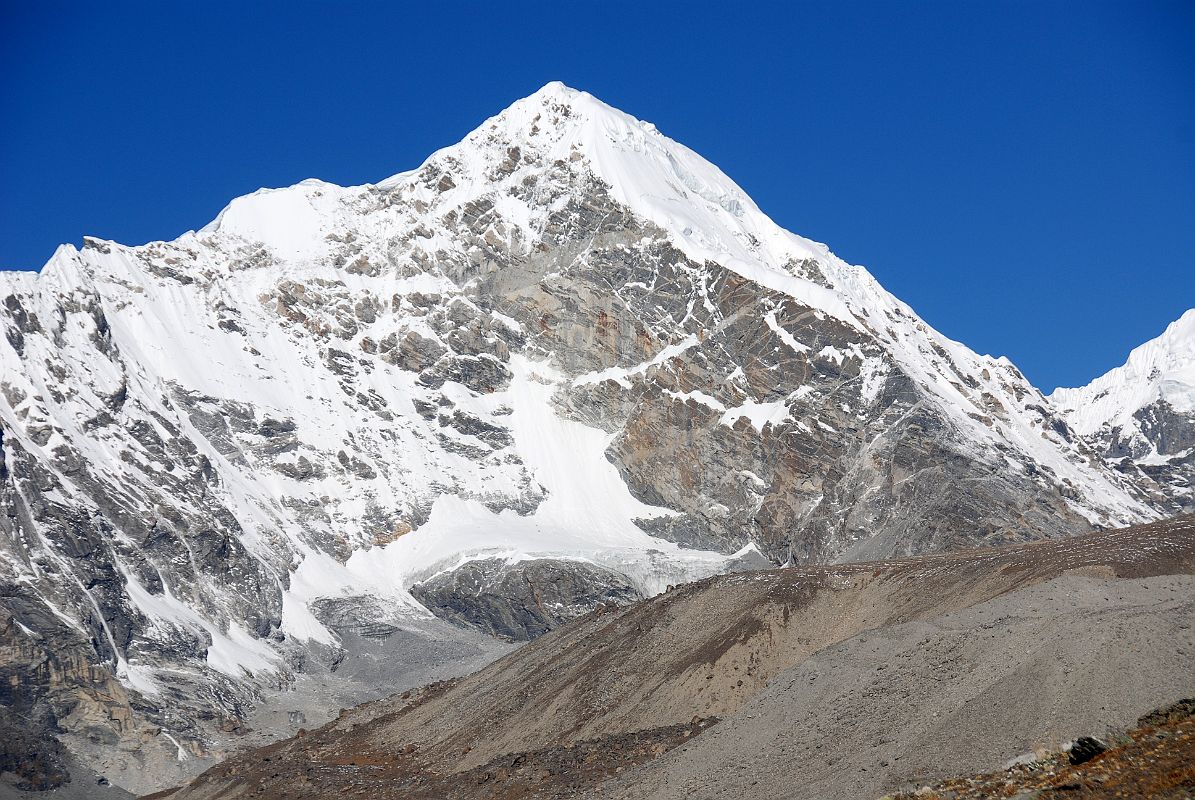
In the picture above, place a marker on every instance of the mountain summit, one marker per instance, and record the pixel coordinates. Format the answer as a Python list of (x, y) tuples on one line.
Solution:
[(1141, 416), (565, 362)]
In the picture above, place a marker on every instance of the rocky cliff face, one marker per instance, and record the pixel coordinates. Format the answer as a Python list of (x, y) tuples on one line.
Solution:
[(1140, 417), (523, 600), (565, 361)]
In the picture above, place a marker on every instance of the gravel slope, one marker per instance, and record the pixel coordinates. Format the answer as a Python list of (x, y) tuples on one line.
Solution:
[(817, 673), (966, 692)]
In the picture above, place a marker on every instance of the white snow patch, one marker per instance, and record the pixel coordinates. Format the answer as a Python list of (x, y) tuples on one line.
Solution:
[(784, 335), (621, 374), (589, 513), (758, 414)]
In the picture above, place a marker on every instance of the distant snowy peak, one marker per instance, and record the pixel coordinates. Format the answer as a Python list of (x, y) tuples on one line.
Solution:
[(1162, 369), (1141, 416)]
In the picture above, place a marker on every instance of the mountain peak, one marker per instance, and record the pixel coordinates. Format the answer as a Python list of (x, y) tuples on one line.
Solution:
[(560, 114), (556, 90), (1162, 369), (706, 214), (565, 352)]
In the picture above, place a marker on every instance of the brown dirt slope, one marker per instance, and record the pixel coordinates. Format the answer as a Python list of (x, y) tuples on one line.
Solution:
[(969, 691), (698, 652)]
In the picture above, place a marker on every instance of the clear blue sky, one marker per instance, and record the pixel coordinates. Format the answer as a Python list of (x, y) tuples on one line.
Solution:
[(1023, 174)]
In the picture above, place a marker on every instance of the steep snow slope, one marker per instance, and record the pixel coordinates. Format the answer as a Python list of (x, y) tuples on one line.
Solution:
[(1142, 414), (1160, 371), (565, 341)]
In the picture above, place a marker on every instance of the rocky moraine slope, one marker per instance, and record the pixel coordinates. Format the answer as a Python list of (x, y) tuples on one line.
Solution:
[(343, 441), (844, 681)]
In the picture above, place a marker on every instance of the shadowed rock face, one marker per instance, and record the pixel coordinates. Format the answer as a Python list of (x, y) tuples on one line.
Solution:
[(50, 685), (1169, 436), (227, 461), (521, 601)]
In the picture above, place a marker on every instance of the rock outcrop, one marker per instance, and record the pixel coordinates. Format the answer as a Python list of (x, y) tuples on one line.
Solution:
[(520, 601)]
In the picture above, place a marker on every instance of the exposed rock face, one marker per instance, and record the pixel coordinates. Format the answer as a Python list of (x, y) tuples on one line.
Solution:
[(1086, 748), (51, 684), (567, 337), (1140, 417), (521, 601)]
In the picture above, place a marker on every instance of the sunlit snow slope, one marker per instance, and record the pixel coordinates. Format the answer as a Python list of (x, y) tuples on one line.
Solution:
[(1142, 414)]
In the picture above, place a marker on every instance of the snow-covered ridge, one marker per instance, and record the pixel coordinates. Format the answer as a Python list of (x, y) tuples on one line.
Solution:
[(1161, 369), (707, 215), (704, 213)]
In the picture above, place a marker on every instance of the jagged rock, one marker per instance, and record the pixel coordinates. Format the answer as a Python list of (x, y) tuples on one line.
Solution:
[(483, 373), (495, 436), (413, 352), (1084, 749), (523, 600)]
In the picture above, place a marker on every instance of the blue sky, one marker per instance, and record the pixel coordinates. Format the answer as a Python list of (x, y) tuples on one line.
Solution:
[(1023, 174)]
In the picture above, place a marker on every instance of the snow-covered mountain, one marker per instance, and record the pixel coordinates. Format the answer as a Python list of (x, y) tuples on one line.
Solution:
[(565, 361), (1141, 416)]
